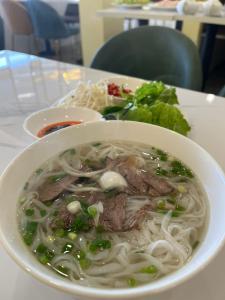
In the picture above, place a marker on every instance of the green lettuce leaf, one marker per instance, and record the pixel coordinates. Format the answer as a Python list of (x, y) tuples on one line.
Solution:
[(168, 96), (149, 92), (140, 114), (154, 91), (152, 103), (170, 117)]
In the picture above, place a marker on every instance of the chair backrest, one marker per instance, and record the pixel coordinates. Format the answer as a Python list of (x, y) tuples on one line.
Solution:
[(152, 53), (72, 13), (2, 34), (18, 18), (72, 9), (222, 92), (47, 23)]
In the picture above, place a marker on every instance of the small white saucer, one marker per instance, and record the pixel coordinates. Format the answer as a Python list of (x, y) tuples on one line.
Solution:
[(40, 119)]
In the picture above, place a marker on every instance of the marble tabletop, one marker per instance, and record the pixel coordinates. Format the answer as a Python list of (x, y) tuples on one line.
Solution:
[(29, 83)]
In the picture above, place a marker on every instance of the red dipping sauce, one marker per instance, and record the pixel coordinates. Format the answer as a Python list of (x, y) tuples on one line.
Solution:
[(55, 126)]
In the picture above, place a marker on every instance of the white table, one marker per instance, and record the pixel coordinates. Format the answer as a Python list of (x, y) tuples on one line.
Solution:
[(191, 23), (28, 83)]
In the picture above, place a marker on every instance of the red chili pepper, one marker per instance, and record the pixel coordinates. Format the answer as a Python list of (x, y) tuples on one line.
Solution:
[(114, 90)]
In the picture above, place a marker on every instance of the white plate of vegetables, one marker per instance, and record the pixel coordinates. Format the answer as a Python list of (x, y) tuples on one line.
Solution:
[(124, 98)]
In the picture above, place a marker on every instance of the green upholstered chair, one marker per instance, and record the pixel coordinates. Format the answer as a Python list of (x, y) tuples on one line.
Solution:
[(152, 53), (222, 92)]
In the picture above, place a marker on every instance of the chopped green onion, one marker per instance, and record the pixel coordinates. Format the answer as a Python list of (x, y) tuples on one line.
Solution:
[(92, 211), (81, 223), (60, 232), (44, 254), (161, 172), (56, 178), (131, 282), (99, 229), (150, 270), (67, 248), (49, 203), (175, 213), (177, 168), (72, 236), (182, 189), (162, 155), (29, 212), (99, 244), (85, 263), (43, 259), (43, 212), (69, 199), (161, 204), (41, 249), (84, 206), (80, 254), (30, 232), (55, 213)]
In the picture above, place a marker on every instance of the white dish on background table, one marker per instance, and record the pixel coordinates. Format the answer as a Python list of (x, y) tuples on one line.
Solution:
[(202, 164), (157, 7), (128, 6), (40, 119)]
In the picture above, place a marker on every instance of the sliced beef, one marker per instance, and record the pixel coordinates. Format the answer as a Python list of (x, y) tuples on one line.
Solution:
[(139, 180), (113, 216), (158, 184), (153, 193), (50, 190), (64, 218), (133, 221), (91, 197)]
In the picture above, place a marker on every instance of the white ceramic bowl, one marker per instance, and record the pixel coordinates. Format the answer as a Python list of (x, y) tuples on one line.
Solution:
[(209, 173), (45, 117)]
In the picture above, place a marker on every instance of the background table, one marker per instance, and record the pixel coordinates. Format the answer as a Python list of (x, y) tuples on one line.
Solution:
[(146, 14), (28, 83)]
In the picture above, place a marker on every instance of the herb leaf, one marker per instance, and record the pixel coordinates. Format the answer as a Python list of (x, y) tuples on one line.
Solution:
[(99, 244)]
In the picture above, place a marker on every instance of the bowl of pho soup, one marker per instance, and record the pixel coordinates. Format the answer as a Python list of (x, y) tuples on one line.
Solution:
[(113, 210)]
